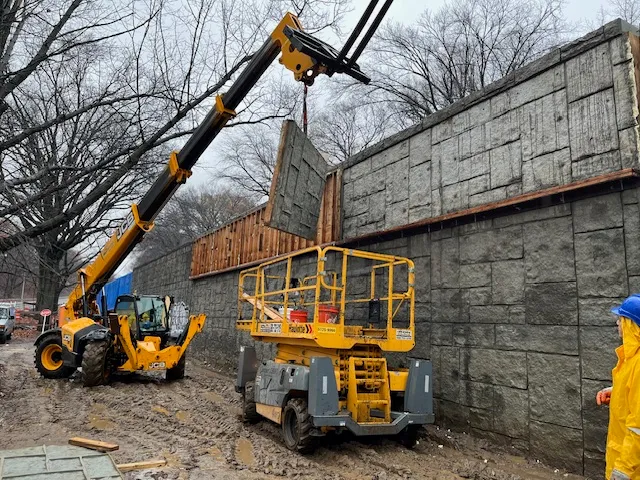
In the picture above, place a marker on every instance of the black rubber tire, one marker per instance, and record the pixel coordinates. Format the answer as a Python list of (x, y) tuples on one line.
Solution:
[(52, 338), (94, 364), (408, 437), (8, 337), (177, 372), (249, 413), (297, 427)]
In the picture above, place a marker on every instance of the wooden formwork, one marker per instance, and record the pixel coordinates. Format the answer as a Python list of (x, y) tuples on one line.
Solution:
[(248, 239)]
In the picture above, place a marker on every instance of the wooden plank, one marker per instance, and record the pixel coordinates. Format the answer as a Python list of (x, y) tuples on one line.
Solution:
[(269, 312), (94, 444), (128, 467)]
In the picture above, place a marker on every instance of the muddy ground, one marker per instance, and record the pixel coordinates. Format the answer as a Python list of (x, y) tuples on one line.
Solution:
[(195, 425)]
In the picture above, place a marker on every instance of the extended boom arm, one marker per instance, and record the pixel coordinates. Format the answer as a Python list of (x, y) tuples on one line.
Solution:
[(304, 55)]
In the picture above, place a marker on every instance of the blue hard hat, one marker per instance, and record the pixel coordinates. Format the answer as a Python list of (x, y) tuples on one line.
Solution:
[(630, 308)]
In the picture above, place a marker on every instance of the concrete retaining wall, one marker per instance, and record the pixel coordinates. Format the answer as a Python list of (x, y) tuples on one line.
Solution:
[(512, 309)]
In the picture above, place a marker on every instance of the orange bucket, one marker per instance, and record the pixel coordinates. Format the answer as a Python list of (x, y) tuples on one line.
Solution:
[(328, 314), (298, 316)]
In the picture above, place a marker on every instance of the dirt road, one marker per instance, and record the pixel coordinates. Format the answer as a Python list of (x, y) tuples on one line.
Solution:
[(195, 425)]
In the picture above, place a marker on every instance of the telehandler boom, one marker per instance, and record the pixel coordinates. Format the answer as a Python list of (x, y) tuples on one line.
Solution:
[(136, 336)]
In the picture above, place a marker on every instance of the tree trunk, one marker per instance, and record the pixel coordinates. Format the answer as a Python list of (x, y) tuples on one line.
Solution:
[(50, 280)]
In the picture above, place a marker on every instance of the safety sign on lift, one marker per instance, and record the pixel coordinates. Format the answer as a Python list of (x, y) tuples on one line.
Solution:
[(270, 327), (403, 334)]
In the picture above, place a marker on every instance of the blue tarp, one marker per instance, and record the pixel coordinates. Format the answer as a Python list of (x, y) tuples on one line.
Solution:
[(114, 288)]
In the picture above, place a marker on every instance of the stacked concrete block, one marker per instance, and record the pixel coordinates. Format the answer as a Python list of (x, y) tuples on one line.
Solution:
[(569, 116)]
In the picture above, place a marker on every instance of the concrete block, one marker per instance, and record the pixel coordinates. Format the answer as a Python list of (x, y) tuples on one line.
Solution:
[(455, 197), (419, 213), (474, 167), (449, 161), (537, 87), (533, 215), (632, 238), (634, 284), (594, 463), (396, 177), (551, 304), (592, 125), (480, 296), (442, 334), (423, 279), (500, 104), (419, 246), (358, 170), (420, 185), (511, 412), (517, 314), (396, 214), (489, 314), (596, 165), (538, 338), (420, 148), (497, 367), (475, 275), (356, 208), (492, 245), (597, 213), (436, 170), (629, 147), (597, 311), (620, 49), (450, 306), (390, 155), (489, 196), (548, 251), (506, 164), (589, 72), (445, 263), (376, 209), (600, 264), (450, 374), (503, 129), (442, 131), (472, 142), (480, 418), (474, 335), (475, 394), (556, 445), (479, 184), (624, 88), (595, 419), (547, 171), (436, 201), (597, 351), (507, 280), (544, 126)]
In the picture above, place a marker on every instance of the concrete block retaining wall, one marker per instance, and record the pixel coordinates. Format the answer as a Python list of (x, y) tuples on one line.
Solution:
[(511, 309)]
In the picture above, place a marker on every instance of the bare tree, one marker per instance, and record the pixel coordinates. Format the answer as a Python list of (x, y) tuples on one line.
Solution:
[(192, 213), (82, 133), (157, 74), (348, 127), (459, 49), (250, 156)]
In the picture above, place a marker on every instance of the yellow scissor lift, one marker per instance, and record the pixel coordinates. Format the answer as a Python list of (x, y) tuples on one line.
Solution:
[(332, 312)]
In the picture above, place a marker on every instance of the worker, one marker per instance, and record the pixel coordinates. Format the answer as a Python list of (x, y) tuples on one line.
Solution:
[(623, 397)]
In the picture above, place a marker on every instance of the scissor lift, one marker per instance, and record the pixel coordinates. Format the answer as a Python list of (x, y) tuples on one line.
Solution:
[(332, 313)]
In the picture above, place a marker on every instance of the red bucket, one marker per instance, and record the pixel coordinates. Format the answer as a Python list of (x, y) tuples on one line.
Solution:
[(298, 316), (328, 314)]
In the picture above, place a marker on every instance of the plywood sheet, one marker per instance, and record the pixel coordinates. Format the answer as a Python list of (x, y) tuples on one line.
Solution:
[(298, 184)]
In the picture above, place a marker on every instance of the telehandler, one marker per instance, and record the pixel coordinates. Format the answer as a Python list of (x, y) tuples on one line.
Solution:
[(105, 343)]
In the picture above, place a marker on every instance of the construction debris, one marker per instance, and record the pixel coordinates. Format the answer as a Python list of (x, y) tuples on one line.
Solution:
[(93, 444), (128, 467)]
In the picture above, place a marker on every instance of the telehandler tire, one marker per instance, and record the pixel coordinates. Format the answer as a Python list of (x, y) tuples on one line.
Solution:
[(48, 357), (177, 372), (249, 413), (94, 364), (297, 426)]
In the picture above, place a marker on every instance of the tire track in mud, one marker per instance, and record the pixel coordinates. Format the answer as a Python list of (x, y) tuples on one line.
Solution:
[(196, 425)]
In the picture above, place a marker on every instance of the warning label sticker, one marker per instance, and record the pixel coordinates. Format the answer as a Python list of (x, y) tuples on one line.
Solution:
[(403, 334), (270, 328)]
